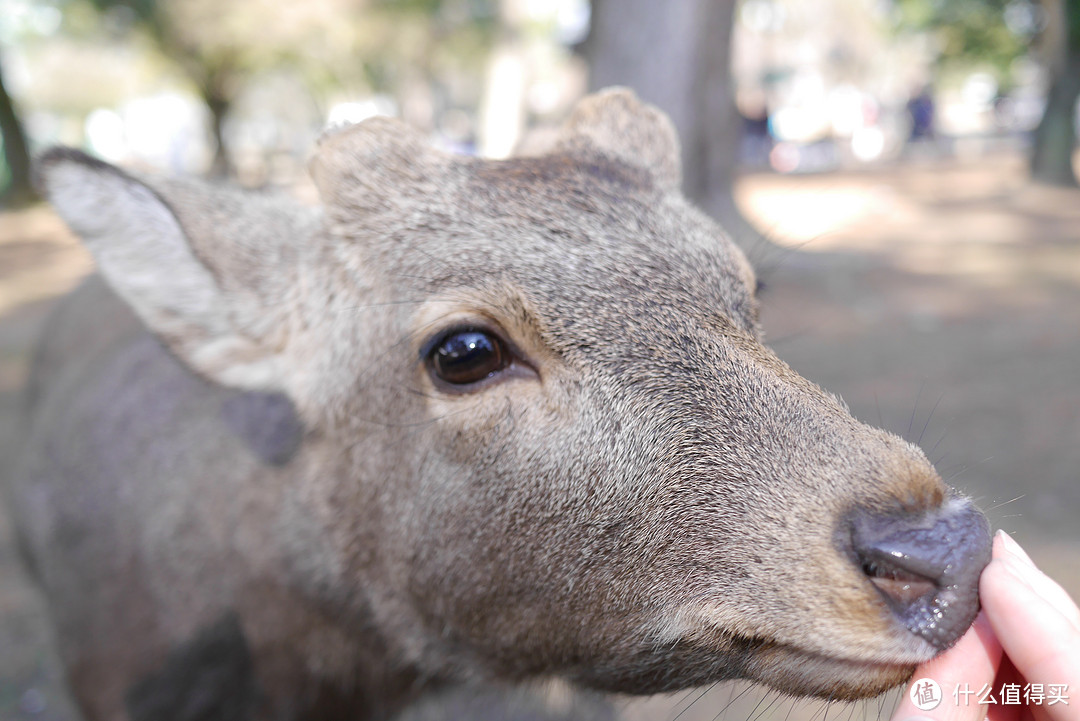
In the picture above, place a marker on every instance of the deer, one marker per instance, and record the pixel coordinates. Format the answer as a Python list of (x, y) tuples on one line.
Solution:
[(463, 421)]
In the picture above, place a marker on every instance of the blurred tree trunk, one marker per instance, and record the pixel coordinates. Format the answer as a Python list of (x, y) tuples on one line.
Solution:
[(677, 55), (219, 104), (216, 75), (1055, 138), (216, 80), (16, 155)]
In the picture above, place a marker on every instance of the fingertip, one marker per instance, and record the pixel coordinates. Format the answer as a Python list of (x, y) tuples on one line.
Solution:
[(1006, 577), (1006, 545)]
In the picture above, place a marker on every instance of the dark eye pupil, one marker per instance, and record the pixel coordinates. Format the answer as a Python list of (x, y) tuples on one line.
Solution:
[(467, 357)]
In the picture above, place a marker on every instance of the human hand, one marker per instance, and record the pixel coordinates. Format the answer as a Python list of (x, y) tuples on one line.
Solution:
[(1026, 638)]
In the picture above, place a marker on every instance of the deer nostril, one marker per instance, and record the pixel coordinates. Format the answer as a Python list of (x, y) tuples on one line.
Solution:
[(927, 566)]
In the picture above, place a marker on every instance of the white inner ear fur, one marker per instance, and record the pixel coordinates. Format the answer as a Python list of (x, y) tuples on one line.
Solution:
[(139, 247), (144, 254)]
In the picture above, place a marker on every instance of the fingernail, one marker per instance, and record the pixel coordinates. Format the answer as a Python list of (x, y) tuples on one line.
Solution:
[(1014, 548)]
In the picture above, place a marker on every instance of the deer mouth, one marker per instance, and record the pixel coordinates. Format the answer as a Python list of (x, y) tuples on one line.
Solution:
[(785, 667), (806, 673), (925, 567), (896, 584), (924, 570)]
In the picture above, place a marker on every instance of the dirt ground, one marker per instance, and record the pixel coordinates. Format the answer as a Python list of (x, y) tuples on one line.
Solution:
[(940, 299)]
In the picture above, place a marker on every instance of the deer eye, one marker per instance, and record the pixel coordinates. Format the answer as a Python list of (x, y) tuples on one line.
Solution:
[(468, 355)]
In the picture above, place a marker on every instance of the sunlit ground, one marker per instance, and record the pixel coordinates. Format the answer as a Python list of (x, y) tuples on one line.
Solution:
[(941, 299), (979, 220)]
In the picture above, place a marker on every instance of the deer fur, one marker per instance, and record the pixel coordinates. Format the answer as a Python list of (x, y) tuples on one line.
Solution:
[(243, 487)]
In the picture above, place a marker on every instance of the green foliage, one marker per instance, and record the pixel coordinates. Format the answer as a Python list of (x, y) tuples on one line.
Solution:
[(360, 45), (985, 33), (5, 171), (1072, 17)]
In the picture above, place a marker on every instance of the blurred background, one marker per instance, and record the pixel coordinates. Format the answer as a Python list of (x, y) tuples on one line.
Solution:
[(901, 172)]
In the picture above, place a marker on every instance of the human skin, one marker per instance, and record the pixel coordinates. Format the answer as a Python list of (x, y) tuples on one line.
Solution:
[(1028, 632)]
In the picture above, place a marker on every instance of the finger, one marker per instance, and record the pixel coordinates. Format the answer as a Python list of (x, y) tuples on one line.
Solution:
[(1042, 584), (1041, 642), (1007, 708), (968, 665)]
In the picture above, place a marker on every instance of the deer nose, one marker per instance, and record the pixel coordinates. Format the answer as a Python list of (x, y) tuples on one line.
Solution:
[(926, 566)]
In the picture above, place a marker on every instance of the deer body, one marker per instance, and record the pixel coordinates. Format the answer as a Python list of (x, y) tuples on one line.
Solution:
[(469, 421)]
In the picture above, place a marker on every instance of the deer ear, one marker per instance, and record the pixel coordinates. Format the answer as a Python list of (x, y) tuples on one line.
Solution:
[(615, 122), (374, 165), (207, 269)]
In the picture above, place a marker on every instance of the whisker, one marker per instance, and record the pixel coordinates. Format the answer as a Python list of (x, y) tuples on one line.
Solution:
[(682, 698), (766, 709), (927, 424), (730, 699), (939, 440), (915, 409), (791, 708), (828, 704), (689, 705), (751, 716), (728, 704), (1005, 503), (967, 467)]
